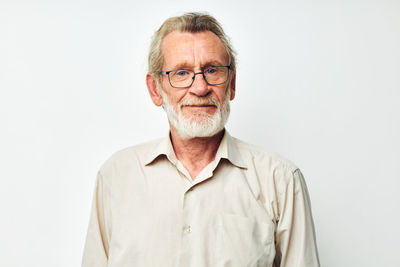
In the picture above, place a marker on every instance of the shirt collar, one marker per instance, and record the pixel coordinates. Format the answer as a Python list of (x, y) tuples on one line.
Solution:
[(227, 150), (162, 147)]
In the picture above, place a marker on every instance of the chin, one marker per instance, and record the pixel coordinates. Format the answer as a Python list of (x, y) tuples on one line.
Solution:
[(199, 126), (199, 123)]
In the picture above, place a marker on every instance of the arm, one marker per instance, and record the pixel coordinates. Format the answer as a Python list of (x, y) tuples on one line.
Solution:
[(97, 240), (295, 234)]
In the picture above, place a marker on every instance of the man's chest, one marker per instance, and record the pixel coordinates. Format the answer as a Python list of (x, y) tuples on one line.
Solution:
[(161, 219)]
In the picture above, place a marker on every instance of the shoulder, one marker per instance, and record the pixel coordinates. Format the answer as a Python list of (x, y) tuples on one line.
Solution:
[(259, 155), (272, 169)]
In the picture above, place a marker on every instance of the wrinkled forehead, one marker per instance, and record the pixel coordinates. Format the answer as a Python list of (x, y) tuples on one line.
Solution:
[(192, 49)]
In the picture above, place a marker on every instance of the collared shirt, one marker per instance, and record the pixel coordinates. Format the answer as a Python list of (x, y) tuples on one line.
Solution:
[(248, 207)]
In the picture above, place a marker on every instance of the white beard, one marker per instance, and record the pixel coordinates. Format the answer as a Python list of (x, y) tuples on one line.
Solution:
[(200, 124)]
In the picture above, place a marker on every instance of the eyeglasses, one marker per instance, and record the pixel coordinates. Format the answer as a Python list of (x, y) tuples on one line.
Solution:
[(184, 78)]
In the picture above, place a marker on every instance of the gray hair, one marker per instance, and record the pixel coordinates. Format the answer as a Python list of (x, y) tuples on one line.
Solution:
[(189, 22)]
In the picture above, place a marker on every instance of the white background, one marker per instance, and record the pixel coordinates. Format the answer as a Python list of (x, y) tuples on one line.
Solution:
[(317, 81)]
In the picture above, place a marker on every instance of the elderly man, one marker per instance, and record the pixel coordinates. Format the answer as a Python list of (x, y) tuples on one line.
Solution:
[(198, 197)]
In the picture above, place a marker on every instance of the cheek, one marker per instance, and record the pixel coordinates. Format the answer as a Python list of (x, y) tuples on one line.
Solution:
[(222, 96), (175, 96)]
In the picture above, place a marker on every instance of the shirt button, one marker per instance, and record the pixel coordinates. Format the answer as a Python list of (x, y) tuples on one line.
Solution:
[(189, 229)]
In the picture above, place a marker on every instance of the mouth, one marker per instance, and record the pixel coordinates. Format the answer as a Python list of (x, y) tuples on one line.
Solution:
[(197, 110), (200, 106)]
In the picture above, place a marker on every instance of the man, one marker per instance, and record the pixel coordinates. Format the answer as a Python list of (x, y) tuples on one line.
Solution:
[(198, 197)]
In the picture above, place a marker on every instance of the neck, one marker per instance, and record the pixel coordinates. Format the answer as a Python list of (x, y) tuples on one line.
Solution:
[(196, 153)]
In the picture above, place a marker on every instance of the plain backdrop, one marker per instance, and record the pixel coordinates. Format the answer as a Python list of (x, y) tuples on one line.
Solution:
[(317, 82)]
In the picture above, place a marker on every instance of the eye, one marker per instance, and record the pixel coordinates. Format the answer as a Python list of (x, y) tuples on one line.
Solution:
[(182, 73), (210, 70)]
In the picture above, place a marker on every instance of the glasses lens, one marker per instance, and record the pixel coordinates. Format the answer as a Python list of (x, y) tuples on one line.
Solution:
[(216, 75), (181, 78)]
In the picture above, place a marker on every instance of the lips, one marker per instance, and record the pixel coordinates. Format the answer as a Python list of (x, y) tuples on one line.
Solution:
[(199, 102), (200, 106)]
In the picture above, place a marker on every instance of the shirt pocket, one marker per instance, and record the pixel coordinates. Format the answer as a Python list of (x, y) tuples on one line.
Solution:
[(244, 242)]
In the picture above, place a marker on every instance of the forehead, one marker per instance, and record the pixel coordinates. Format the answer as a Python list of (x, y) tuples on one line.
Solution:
[(185, 49)]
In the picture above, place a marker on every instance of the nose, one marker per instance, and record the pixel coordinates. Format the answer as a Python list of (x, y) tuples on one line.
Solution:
[(199, 86)]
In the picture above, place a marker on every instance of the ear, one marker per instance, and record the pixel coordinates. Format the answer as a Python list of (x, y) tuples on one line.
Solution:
[(152, 87), (232, 86)]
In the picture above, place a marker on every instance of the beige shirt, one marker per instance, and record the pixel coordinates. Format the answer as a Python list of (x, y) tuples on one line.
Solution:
[(248, 207)]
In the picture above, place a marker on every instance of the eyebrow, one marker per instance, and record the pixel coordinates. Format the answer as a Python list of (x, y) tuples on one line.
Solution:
[(183, 65), (187, 65)]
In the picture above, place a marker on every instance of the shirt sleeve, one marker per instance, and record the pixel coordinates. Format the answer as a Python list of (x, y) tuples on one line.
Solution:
[(97, 240), (295, 234)]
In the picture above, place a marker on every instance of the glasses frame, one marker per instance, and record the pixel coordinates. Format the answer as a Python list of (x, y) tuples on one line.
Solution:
[(194, 76)]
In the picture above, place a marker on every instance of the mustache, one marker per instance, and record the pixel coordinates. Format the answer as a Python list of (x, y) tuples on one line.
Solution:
[(209, 100)]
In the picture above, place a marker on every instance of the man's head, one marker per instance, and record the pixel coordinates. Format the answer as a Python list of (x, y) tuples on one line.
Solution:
[(196, 98)]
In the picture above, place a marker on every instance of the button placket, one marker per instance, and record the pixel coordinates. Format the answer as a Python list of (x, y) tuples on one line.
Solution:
[(187, 211), (186, 247)]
